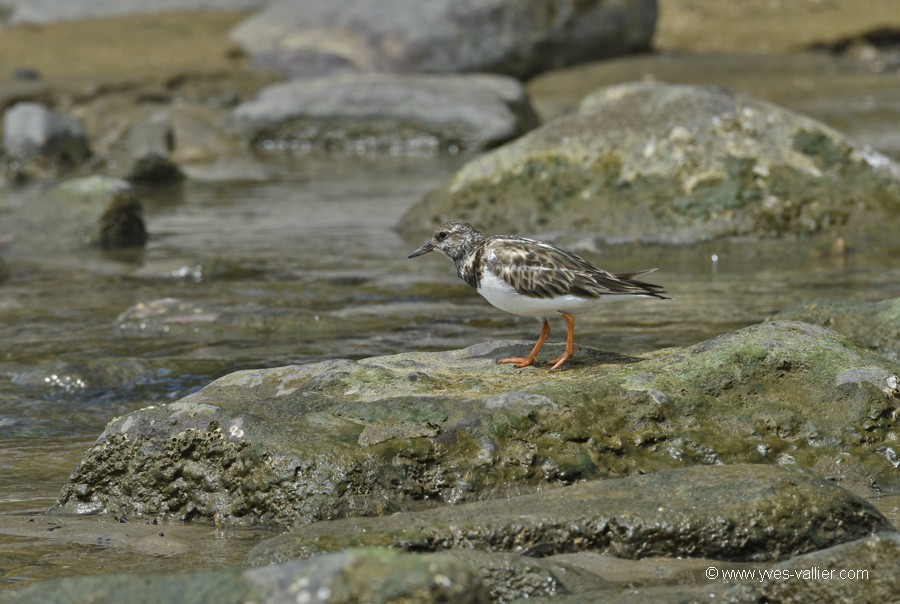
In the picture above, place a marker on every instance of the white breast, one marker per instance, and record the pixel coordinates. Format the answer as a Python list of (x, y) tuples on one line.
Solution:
[(500, 294)]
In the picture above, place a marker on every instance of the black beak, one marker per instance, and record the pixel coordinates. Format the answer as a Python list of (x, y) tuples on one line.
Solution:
[(422, 250)]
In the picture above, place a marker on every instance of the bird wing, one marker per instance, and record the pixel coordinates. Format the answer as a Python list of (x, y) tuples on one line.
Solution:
[(541, 270)]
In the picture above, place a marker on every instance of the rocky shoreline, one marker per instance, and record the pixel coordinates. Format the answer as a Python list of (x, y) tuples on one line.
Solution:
[(443, 476)]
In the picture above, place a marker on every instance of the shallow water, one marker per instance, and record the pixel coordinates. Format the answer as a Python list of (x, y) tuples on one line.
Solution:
[(308, 267)]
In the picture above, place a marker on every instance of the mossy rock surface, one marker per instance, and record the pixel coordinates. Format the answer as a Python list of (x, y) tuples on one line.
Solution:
[(300, 444), (671, 164)]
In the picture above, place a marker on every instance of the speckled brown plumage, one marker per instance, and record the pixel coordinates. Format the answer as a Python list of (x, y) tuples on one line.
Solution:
[(532, 278)]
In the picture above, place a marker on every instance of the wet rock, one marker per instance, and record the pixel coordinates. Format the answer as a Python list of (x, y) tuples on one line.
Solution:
[(144, 154), (39, 141), (31, 11), (91, 212), (206, 151), (742, 512), (348, 577), (516, 38), (671, 164), (299, 444), (875, 325), (865, 570), (385, 112)]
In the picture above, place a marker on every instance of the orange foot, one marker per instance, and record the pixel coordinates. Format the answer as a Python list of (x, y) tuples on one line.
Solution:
[(519, 361), (558, 362), (532, 356)]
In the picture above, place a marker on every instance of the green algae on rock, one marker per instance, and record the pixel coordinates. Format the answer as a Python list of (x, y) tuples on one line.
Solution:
[(672, 164), (299, 444)]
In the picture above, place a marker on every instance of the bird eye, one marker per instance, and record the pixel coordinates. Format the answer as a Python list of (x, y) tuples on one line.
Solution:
[(442, 235)]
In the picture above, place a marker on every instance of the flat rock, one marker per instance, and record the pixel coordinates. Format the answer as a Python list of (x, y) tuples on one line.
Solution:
[(386, 112), (741, 512), (666, 163), (866, 570), (514, 37), (300, 444), (348, 577)]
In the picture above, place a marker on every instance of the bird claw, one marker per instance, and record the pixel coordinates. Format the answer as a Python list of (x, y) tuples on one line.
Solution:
[(520, 362)]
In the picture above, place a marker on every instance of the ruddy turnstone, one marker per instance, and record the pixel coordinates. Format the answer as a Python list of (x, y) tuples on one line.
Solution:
[(532, 279)]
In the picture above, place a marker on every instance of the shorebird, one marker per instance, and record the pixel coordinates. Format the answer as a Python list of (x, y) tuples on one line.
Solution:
[(533, 279)]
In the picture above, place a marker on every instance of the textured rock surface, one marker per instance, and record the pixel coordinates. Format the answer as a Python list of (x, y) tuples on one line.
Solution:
[(741, 512), (514, 37), (387, 112), (672, 164), (299, 444)]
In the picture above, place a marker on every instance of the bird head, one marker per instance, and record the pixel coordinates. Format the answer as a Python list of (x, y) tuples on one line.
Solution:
[(453, 238)]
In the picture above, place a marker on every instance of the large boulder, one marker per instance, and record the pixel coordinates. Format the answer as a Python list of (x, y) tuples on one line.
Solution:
[(513, 37), (386, 112), (299, 444), (671, 164)]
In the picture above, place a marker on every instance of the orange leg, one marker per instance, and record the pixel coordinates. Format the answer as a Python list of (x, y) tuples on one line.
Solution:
[(532, 356), (570, 342)]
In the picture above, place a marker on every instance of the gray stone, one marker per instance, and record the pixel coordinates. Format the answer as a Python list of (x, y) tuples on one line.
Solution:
[(386, 112), (144, 154), (672, 164), (34, 135), (51, 11), (742, 512), (300, 444), (348, 578), (513, 37)]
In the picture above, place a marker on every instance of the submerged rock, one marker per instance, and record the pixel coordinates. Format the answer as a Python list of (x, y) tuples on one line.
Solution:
[(741, 512), (385, 112), (875, 325), (672, 164), (299, 444), (348, 577), (514, 37), (91, 212)]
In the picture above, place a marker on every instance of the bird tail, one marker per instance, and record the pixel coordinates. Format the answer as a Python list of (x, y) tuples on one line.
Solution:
[(646, 289)]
